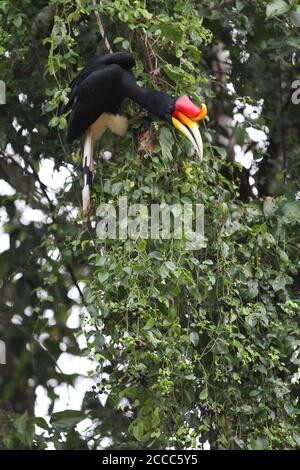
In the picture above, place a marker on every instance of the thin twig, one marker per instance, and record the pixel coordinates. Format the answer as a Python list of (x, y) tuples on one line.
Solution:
[(75, 281), (49, 354)]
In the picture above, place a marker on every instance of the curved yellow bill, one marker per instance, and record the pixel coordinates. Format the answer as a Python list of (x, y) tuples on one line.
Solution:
[(194, 136), (202, 113)]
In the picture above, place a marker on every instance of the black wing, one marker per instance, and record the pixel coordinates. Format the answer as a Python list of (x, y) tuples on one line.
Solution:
[(123, 59), (99, 92)]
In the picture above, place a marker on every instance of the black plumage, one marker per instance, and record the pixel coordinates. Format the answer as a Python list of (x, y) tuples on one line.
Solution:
[(102, 86)]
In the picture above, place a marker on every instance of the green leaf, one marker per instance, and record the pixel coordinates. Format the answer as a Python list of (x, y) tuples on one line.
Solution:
[(293, 41), (41, 423), (93, 310), (118, 39), (102, 277), (152, 339), (155, 255), (166, 142), (279, 283), (203, 394), (54, 121), (297, 439), (62, 122), (269, 208), (195, 53), (172, 32), (240, 5), (67, 419), (172, 72), (295, 17), (170, 265), (150, 323), (127, 270), (146, 14), (142, 243), (194, 337), (240, 135), (279, 7), (261, 443), (262, 369), (189, 377), (100, 260), (253, 288), (222, 152), (291, 211), (138, 430), (17, 21), (21, 422), (116, 188)]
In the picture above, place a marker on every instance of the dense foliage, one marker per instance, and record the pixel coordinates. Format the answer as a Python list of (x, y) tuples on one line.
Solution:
[(189, 347)]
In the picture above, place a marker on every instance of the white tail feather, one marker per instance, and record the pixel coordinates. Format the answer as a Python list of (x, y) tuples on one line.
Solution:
[(88, 166), (88, 150), (117, 124), (86, 200)]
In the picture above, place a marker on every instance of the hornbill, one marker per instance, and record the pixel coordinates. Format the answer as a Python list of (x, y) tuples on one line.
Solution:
[(96, 96)]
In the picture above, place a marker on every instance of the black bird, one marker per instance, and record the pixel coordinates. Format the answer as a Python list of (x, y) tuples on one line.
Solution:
[(96, 96)]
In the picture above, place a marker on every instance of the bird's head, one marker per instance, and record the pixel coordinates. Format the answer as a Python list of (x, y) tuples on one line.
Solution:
[(184, 117)]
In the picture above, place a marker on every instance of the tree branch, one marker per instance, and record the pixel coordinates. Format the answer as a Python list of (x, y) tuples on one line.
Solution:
[(107, 45), (75, 281)]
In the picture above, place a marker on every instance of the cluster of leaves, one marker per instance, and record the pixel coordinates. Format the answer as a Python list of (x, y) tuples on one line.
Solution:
[(171, 37), (280, 7), (17, 431), (198, 346)]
